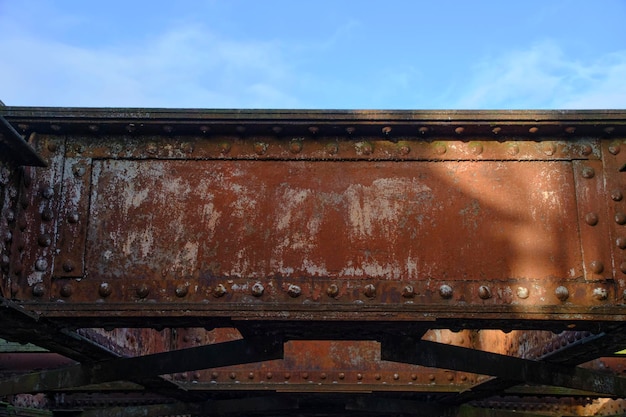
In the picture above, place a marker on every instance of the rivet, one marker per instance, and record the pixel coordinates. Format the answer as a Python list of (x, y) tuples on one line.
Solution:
[(52, 146), (404, 149), (205, 129), (622, 267), (570, 129), (364, 148), (414, 377), (609, 129), (561, 293), (79, 148), (513, 150), (586, 149), (41, 265), (588, 172), (440, 148), (484, 292), (68, 266), (93, 128), (44, 240), (8, 237), (168, 129), (496, 130), (341, 375), (591, 219), (105, 290), (332, 148), (186, 338), (369, 291), (359, 376), (332, 290), (463, 377), (549, 149), (396, 377), (219, 291), (423, 130), (445, 291), (186, 147), (431, 377), (305, 375), (620, 218), (5, 260), (450, 377), (294, 291), (47, 193), (386, 130), (616, 195), (522, 292), (620, 242), (596, 267), (130, 128), (10, 216), (73, 217), (257, 289), (151, 148), (66, 290), (55, 127), (181, 290), (260, 148), (142, 291), (269, 375), (459, 130), (350, 130), (408, 291), (600, 294), (533, 130), (23, 127), (214, 375), (79, 170), (277, 129), (47, 215), (377, 377), (232, 375), (476, 148), (314, 130), (287, 375), (251, 375), (295, 146), (39, 290), (323, 375), (224, 147)]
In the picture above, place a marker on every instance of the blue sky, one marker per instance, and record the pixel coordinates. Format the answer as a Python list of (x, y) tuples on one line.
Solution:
[(341, 54)]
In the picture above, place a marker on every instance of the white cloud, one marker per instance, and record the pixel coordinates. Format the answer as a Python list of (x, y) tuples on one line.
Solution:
[(184, 67), (543, 77)]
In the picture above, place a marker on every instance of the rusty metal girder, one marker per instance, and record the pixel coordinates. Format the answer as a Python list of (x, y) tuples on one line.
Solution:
[(344, 226)]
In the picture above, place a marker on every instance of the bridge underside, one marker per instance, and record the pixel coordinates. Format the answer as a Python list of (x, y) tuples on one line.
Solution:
[(312, 263)]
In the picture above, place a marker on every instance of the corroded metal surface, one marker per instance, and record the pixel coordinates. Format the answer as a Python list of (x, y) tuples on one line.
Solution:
[(151, 228)]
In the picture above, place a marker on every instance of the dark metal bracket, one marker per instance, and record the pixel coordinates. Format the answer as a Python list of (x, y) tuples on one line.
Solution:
[(13, 148)]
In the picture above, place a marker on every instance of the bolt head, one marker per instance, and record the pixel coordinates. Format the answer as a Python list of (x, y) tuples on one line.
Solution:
[(66, 290), (181, 290), (561, 293), (332, 290), (105, 290), (484, 292), (219, 291), (408, 291), (522, 292), (294, 291), (39, 290), (600, 294), (369, 291), (258, 289), (445, 291), (142, 291), (591, 219)]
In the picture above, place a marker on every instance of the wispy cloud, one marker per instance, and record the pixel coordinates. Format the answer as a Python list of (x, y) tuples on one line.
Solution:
[(183, 67), (544, 77)]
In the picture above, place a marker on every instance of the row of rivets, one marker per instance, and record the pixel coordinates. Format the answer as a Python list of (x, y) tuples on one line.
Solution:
[(341, 376), (445, 291)]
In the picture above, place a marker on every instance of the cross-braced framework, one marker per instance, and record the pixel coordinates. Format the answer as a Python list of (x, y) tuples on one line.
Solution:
[(312, 263)]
